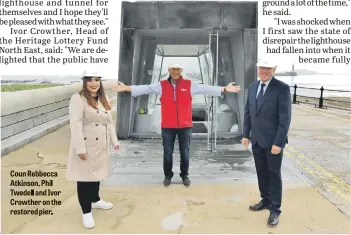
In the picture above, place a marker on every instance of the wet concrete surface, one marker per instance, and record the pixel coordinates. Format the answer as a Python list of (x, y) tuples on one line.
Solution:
[(320, 147), (318, 154), (216, 202), (141, 162), (324, 137)]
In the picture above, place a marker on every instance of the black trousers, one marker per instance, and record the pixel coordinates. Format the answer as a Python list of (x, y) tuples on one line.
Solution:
[(88, 192), (168, 137), (268, 168)]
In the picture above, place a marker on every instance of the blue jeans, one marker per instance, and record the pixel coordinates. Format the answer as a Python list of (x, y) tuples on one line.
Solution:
[(168, 136)]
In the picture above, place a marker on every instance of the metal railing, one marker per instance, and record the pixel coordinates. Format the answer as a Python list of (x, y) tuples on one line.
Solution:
[(341, 102)]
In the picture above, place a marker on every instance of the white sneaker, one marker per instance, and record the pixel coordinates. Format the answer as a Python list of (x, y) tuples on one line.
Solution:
[(88, 220), (102, 205)]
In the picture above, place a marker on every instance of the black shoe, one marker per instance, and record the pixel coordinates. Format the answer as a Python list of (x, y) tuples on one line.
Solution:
[(186, 181), (258, 207), (167, 181), (273, 220)]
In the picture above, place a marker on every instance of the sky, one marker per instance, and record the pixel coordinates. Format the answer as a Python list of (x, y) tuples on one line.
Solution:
[(110, 70)]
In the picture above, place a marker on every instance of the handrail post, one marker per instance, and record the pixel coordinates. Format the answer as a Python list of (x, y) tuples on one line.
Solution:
[(321, 98), (294, 97)]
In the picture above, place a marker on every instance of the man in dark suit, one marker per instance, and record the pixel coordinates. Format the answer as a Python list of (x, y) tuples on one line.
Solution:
[(268, 116)]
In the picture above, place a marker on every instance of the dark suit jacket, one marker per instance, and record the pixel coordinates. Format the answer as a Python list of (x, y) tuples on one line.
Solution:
[(269, 123)]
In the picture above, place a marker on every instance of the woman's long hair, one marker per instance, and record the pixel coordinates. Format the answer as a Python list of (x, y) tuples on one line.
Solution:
[(101, 94)]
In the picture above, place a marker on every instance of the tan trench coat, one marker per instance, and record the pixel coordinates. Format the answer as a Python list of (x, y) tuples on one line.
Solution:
[(92, 132)]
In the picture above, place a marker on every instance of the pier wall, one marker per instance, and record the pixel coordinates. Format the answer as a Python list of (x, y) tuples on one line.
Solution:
[(30, 114)]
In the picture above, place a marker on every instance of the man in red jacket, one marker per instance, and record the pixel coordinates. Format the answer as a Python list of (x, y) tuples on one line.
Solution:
[(176, 111)]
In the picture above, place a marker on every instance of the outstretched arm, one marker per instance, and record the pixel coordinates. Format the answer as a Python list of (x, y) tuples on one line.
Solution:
[(136, 90), (212, 90)]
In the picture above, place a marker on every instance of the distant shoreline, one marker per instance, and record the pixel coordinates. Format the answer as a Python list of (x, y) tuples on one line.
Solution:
[(303, 72)]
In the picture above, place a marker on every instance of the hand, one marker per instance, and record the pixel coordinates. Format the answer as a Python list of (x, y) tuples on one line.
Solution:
[(232, 88), (245, 142), (120, 87), (117, 147), (276, 149), (83, 156)]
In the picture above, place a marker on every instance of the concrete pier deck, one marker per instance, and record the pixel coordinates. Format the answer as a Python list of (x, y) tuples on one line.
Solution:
[(223, 186)]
